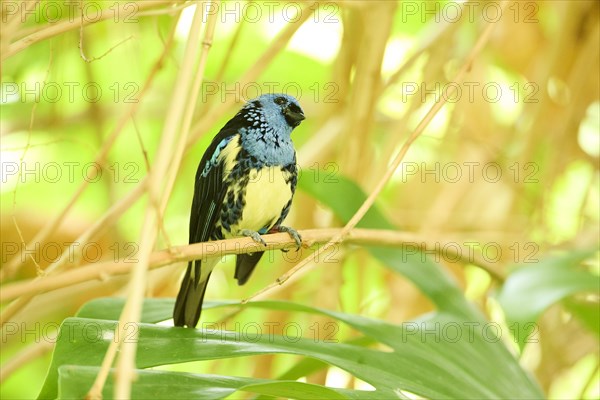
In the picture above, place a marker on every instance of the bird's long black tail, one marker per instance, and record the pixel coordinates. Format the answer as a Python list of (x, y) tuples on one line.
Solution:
[(188, 305)]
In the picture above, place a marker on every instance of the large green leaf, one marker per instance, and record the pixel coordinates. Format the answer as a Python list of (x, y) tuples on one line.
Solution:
[(424, 357), (75, 380), (530, 289), (84, 342)]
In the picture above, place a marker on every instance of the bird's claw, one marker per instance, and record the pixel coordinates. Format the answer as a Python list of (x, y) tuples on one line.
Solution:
[(293, 233), (254, 235)]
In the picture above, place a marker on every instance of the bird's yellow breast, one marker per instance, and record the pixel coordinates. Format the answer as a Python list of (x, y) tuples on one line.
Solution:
[(267, 193)]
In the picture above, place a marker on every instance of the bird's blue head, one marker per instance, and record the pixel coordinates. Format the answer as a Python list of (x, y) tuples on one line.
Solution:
[(269, 121), (277, 110)]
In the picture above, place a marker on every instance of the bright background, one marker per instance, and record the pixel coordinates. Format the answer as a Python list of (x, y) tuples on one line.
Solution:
[(505, 174)]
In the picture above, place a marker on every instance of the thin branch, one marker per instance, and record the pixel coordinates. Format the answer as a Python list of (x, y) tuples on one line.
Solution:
[(395, 163), (21, 162), (91, 60), (219, 248), (80, 45), (51, 30), (11, 23)]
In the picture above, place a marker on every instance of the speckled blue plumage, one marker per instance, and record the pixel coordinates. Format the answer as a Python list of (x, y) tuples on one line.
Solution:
[(268, 136)]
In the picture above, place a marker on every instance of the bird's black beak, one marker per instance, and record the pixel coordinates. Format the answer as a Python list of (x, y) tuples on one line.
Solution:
[(293, 117)]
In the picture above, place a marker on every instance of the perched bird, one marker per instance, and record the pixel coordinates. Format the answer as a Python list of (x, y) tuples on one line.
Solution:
[(244, 187)]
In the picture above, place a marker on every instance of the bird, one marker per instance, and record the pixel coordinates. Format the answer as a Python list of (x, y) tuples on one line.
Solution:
[(243, 186)]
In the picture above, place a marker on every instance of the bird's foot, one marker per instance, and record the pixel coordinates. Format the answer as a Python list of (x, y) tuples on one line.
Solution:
[(254, 235), (292, 232)]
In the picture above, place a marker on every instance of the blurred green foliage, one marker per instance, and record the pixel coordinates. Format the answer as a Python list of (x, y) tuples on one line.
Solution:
[(57, 111)]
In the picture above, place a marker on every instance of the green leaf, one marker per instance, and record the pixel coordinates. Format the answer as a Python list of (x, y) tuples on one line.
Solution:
[(343, 196), (586, 312), (531, 289), (422, 360), (75, 381), (110, 308), (310, 366), (85, 341), (298, 390)]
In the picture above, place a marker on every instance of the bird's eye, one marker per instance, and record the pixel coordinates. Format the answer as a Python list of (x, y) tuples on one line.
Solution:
[(280, 101)]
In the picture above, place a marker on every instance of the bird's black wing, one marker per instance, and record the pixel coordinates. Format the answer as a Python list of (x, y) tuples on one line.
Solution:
[(209, 189), (209, 193)]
